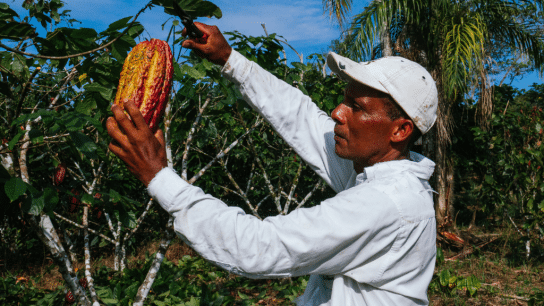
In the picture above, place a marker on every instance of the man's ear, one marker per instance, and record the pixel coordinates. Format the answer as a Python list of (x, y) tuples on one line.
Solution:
[(402, 130)]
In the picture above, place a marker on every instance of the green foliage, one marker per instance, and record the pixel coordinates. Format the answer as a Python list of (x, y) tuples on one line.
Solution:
[(449, 282), (501, 169), (17, 290), (537, 298), (55, 115), (194, 281)]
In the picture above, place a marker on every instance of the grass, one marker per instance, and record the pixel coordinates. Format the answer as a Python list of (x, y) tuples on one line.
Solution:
[(504, 275)]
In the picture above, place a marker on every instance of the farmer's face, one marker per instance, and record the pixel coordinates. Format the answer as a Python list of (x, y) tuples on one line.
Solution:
[(363, 129)]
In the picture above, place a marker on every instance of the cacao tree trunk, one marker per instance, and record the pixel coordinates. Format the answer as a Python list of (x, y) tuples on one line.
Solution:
[(47, 233)]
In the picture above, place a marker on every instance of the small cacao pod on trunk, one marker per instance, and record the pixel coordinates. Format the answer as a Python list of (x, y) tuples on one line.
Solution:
[(69, 298), (83, 282), (146, 80), (60, 174)]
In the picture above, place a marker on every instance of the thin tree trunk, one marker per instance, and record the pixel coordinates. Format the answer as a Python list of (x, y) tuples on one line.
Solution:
[(144, 289), (46, 231)]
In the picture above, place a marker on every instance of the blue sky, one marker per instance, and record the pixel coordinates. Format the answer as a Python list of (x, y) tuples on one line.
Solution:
[(302, 23)]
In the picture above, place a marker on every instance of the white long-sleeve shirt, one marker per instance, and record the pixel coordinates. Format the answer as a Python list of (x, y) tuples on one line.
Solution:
[(371, 244)]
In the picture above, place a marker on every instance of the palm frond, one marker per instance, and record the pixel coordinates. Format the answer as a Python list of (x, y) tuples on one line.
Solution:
[(338, 9), (462, 52)]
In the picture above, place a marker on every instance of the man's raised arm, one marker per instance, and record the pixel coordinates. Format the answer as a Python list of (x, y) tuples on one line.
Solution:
[(307, 129)]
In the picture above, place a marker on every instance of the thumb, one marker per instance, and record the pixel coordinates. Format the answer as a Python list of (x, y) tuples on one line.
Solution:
[(188, 43), (160, 137)]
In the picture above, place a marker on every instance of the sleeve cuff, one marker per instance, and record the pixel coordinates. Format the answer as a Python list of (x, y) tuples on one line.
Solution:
[(237, 68), (165, 186)]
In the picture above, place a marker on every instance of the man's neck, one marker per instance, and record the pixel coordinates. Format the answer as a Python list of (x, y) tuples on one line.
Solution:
[(359, 167)]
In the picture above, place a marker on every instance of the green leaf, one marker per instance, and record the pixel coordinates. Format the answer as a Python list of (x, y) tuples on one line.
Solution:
[(119, 24), (489, 179), (87, 199), (87, 34), (192, 72), (110, 301), (128, 219), (115, 197), (439, 255), (35, 136), (87, 105), (37, 203), (541, 206), (105, 92), (178, 74), (51, 198), (85, 144), (15, 30), (15, 139), (120, 49), (15, 188)]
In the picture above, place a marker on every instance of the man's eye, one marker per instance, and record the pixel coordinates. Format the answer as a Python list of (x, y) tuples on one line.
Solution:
[(354, 105)]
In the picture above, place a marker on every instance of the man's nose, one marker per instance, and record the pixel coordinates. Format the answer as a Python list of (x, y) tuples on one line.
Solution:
[(339, 114)]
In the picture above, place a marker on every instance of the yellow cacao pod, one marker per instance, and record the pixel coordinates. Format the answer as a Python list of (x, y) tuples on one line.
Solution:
[(146, 80)]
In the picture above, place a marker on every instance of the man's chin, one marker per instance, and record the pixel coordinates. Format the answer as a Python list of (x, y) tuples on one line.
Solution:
[(339, 153)]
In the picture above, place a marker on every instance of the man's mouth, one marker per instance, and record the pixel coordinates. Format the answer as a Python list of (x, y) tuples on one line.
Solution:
[(337, 135)]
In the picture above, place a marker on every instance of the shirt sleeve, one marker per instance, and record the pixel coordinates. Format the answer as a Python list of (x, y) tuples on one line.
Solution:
[(306, 128), (325, 239)]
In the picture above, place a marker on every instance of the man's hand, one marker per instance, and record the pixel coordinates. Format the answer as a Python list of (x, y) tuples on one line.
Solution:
[(216, 49), (143, 152)]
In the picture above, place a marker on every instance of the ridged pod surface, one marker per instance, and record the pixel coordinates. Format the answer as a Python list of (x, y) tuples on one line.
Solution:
[(146, 79)]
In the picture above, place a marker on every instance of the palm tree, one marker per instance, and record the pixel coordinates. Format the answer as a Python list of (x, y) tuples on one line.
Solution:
[(452, 39)]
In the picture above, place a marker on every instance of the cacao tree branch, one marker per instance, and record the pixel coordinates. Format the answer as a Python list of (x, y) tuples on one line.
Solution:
[(139, 221), (82, 53), (87, 253), (81, 226), (47, 233), (222, 153), (293, 187), (262, 201), (87, 248), (240, 192), (24, 93), (307, 197), (258, 160), (110, 225), (189, 140), (251, 175), (70, 244), (271, 190), (143, 291)]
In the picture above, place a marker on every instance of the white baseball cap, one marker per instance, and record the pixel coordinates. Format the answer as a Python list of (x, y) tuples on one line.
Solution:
[(407, 82)]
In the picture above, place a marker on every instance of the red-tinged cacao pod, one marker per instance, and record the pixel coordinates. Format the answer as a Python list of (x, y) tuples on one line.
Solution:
[(146, 80), (60, 174), (83, 282), (69, 298)]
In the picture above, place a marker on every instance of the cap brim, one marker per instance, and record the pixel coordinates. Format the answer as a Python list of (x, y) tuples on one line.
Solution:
[(349, 70)]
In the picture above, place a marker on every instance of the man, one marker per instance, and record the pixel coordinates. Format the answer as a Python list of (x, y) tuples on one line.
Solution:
[(371, 244)]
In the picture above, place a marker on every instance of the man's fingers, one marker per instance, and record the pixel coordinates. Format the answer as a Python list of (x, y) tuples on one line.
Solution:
[(136, 115), (160, 137), (125, 124), (117, 150), (114, 131)]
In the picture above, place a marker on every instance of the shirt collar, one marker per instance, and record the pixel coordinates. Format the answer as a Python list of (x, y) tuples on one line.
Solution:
[(418, 164)]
